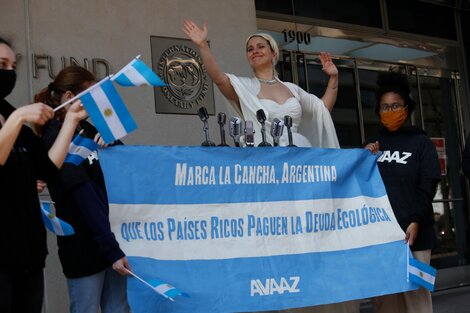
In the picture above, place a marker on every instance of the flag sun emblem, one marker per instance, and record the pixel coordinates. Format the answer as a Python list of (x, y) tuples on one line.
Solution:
[(108, 112)]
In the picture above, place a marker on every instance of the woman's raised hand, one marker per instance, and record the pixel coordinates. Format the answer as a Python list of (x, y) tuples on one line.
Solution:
[(196, 34), (76, 111), (328, 67)]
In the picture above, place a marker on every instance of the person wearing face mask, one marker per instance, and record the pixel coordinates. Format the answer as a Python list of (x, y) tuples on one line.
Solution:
[(312, 123), (24, 160), (410, 170)]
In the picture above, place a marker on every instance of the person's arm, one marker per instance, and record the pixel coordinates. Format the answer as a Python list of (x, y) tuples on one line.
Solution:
[(411, 233), (37, 113), (199, 38), (59, 149), (91, 201), (429, 171), (331, 92)]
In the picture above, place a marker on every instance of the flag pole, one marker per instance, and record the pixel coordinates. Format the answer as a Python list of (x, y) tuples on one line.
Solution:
[(147, 284), (122, 69), (408, 262), (81, 94)]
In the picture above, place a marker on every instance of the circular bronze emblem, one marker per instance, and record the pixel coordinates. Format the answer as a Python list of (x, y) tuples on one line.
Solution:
[(182, 69)]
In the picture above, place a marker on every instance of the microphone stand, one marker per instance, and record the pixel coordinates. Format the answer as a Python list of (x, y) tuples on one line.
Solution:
[(221, 119), (288, 123), (204, 116), (235, 130), (261, 117), (277, 128), (249, 134)]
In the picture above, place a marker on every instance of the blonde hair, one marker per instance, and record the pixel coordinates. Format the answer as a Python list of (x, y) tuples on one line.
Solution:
[(272, 43)]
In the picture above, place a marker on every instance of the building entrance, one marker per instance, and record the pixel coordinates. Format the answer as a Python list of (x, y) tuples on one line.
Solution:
[(438, 112)]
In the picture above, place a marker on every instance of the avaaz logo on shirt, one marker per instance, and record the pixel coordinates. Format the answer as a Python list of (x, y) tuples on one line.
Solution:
[(92, 157), (395, 156)]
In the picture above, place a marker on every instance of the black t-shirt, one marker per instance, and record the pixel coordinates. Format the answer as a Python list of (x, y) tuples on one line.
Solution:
[(22, 232), (410, 170)]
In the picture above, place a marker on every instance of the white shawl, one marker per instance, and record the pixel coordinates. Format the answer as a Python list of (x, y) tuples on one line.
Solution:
[(316, 124)]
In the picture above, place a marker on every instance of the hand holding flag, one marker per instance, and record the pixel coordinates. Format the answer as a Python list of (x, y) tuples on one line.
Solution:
[(163, 289), (104, 105), (137, 73), (53, 223), (106, 109)]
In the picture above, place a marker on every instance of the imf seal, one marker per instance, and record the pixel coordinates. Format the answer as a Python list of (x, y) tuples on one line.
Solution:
[(182, 69)]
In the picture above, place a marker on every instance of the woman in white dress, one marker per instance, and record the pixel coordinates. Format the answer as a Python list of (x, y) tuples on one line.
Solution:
[(265, 90)]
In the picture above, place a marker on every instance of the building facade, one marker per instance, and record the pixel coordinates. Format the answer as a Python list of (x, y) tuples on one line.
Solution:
[(427, 40)]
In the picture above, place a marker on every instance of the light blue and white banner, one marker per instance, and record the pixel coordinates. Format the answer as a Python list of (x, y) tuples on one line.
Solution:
[(243, 230)]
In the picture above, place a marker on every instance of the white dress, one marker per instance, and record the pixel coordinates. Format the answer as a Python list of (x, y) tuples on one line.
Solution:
[(317, 130), (312, 123)]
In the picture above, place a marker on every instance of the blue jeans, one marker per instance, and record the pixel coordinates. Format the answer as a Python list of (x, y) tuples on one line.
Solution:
[(106, 289)]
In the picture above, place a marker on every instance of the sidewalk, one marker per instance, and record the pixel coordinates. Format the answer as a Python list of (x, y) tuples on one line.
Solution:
[(455, 300)]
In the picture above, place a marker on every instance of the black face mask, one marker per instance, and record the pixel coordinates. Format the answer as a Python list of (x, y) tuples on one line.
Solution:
[(7, 82)]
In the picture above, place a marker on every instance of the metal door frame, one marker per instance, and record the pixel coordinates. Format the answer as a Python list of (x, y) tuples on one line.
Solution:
[(410, 70)]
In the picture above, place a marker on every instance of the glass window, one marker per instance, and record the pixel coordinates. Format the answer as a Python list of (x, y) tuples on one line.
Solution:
[(345, 114), (441, 123), (421, 18), (360, 12), (465, 4), (444, 2), (276, 6), (284, 69), (369, 89), (465, 20)]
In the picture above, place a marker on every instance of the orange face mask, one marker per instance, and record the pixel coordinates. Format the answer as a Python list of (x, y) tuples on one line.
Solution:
[(393, 120)]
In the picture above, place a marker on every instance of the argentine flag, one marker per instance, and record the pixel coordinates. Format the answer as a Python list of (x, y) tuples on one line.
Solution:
[(80, 148), (107, 111), (165, 290), (53, 223), (422, 274), (137, 73)]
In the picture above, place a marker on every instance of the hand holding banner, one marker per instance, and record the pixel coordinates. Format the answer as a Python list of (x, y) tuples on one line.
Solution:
[(243, 231)]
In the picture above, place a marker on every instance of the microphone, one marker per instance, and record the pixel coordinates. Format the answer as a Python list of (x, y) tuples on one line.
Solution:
[(277, 127), (249, 134), (235, 130), (221, 119), (288, 123), (204, 116), (261, 117)]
